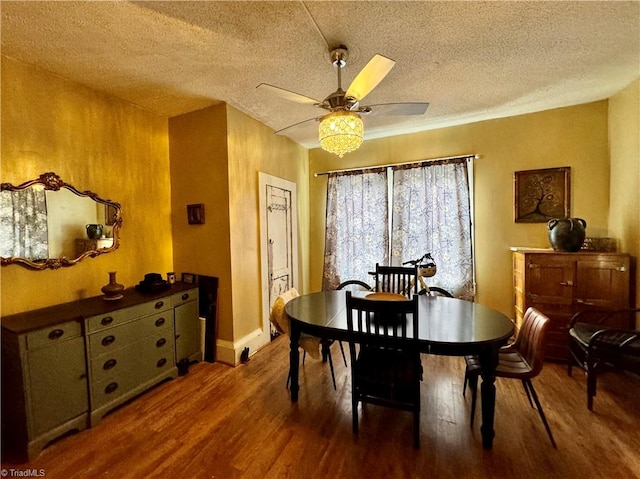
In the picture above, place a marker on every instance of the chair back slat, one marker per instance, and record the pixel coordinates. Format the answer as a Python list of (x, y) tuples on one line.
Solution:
[(376, 321), (397, 279)]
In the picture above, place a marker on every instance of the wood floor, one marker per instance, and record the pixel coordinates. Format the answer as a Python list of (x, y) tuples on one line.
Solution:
[(222, 422)]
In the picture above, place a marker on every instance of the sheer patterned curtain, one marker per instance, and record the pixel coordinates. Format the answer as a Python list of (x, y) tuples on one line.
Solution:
[(23, 224), (431, 214), (357, 235)]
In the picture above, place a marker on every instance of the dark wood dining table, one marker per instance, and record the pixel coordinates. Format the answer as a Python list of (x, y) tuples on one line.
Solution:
[(448, 326)]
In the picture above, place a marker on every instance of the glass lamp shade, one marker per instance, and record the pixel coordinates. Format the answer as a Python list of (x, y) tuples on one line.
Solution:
[(341, 132)]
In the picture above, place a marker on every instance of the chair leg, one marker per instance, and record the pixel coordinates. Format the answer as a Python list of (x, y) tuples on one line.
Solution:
[(528, 384), (473, 386), (416, 429), (466, 380), (344, 358), (524, 385), (354, 410), (416, 418), (333, 376), (591, 388)]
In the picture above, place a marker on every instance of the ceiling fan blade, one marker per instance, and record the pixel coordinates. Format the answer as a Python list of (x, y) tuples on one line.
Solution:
[(300, 124), (398, 109), (288, 95), (369, 77)]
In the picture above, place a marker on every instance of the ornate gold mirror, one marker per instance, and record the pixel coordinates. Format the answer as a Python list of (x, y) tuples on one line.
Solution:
[(47, 223)]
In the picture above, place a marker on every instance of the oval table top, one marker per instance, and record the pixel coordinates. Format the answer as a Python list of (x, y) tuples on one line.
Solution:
[(447, 325)]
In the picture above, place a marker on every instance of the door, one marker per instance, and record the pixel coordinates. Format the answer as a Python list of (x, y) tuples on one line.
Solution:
[(278, 237), (58, 385)]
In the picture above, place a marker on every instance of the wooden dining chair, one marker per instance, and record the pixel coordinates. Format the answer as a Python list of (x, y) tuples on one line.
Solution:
[(310, 344), (397, 279), (523, 359), (386, 370)]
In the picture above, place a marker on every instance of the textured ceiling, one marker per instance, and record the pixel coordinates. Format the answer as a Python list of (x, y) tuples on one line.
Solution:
[(470, 60)]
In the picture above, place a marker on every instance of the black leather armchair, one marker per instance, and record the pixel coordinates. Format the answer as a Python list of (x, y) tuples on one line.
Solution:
[(597, 343)]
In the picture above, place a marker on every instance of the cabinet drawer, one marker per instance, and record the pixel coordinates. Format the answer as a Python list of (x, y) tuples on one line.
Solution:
[(96, 323), (54, 334), (184, 297), (122, 362), (148, 368), (115, 338)]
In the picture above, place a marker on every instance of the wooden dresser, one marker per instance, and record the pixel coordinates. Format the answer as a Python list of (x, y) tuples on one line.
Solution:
[(66, 366), (561, 284)]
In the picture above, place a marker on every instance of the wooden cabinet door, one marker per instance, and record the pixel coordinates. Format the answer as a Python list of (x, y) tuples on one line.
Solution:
[(550, 288), (57, 384), (602, 282), (550, 280)]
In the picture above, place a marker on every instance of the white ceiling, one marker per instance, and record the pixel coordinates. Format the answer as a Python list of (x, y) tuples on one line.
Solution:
[(471, 60)]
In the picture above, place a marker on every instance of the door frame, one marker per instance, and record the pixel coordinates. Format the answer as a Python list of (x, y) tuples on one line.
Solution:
[(266, 180)]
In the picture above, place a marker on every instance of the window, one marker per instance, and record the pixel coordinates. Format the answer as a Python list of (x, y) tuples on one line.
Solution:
[(357, 235), (423, 208), (23, 224)]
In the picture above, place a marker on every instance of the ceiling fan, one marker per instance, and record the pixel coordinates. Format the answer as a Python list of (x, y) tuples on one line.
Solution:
[(341, 129)]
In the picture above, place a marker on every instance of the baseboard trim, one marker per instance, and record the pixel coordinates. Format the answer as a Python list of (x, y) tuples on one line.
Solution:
[(228, 352)]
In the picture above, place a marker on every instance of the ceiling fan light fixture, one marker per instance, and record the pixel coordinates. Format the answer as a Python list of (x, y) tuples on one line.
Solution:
[(341, 132)]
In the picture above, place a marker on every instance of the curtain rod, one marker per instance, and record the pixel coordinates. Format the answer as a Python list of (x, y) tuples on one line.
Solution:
[(474, 156)]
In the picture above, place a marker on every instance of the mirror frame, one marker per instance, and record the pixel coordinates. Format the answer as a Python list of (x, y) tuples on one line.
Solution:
[(53, 182)]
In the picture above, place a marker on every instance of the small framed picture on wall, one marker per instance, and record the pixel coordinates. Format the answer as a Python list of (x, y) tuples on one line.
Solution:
[(195, 214)]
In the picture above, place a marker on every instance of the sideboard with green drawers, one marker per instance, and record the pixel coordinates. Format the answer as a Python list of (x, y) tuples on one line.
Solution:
[(64, 367)]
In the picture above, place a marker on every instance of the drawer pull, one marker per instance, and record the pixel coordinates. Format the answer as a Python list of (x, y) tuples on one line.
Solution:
[(111, 387), (160, 322), (161, 362), (106, 321), (159, 304), (185, 296), (566, 283), (56, 334), (161, 342), (107, 340), (109, 364)]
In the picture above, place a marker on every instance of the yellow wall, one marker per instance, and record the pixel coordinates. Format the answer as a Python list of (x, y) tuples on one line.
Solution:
[(94, 142), (254, 148), (199, 174), (216, 154), (624, 138), (574, 137)]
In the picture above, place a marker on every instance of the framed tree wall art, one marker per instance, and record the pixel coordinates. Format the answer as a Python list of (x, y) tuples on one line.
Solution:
[(541, 195)]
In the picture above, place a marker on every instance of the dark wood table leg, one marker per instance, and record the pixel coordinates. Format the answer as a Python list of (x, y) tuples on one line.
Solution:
[(488, 363), (294, 361)]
